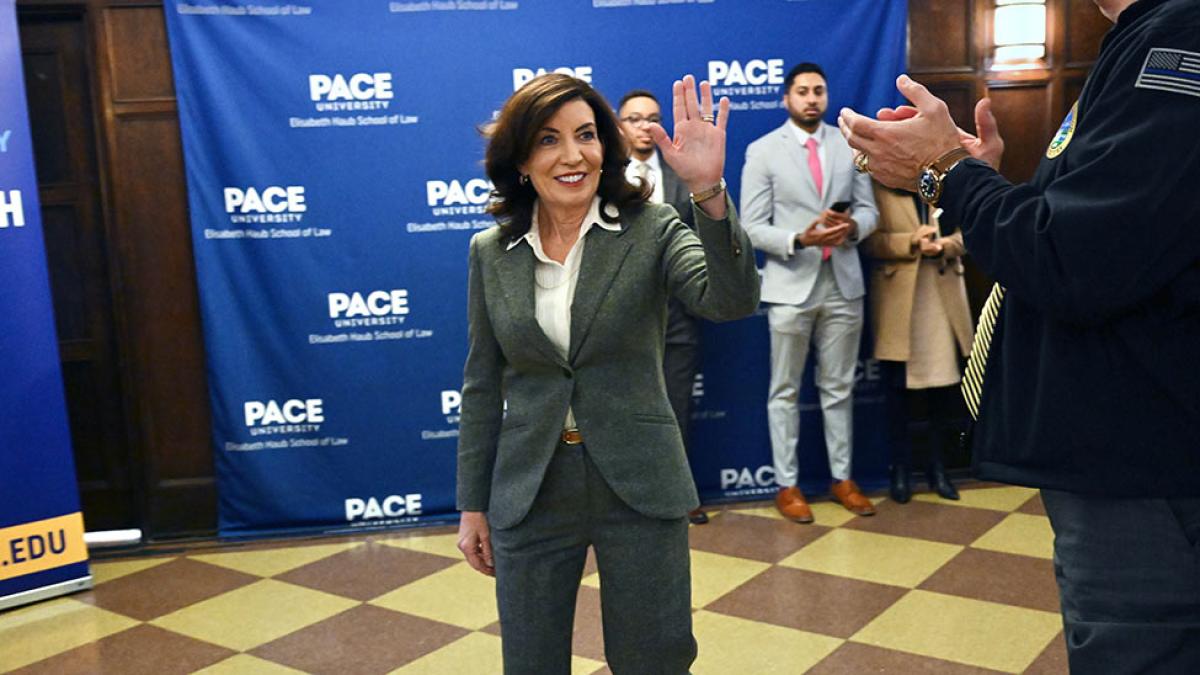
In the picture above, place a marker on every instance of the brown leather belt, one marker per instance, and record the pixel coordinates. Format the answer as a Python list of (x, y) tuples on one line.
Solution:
[(571, 437)]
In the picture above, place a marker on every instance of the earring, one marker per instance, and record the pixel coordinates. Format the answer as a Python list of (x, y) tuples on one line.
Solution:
[(524, 179)]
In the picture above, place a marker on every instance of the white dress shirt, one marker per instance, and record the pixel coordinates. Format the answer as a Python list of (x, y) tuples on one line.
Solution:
[(554, 282), (653, 173)]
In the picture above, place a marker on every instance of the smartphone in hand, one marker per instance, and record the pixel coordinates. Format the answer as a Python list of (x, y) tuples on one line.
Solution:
[(840, 207)]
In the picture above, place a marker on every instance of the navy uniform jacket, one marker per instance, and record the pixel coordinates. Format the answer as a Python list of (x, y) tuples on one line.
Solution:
[(1093, 385)]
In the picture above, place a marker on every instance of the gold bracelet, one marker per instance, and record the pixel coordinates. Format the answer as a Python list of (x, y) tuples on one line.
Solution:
[(705, 195)]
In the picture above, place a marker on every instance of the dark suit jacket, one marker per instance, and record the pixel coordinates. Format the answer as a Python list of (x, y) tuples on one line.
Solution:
[(612, 377)]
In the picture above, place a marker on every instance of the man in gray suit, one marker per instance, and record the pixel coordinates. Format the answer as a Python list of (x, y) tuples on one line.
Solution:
[(637, 110), (806, 208)]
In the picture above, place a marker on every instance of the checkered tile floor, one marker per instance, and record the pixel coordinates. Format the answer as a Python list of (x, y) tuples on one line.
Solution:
[(927, 587)]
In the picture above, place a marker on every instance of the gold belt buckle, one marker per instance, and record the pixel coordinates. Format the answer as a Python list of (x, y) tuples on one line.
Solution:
[(572, 437)]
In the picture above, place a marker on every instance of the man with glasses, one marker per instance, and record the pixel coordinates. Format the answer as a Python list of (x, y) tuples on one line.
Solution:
[(681, 358)]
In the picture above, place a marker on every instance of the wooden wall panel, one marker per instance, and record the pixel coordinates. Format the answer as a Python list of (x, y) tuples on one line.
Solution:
[(1085, 28), (139, 72), (1023, 115), (960, 97), (165, 367), (163, 312), (940, 36)]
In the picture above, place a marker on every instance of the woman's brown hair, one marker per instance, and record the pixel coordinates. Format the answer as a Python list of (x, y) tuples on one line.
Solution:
[(512, 137)]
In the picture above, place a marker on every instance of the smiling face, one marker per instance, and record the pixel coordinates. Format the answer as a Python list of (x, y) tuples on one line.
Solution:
[(807, 99), (564, 164)]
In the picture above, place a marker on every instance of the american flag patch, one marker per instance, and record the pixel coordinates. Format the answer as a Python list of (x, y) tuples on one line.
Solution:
[(1171, 70)]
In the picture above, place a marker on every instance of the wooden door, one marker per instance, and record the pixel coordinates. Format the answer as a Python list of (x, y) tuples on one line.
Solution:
[(61, 114)]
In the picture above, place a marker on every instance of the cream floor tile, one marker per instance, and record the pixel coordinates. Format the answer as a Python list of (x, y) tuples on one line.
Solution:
[(732, 645), (997, 499), (984, 634), (825, 513), (457, 595), (244, 664), (882, 558), (439, 544), (713, 575), (1022, 534), (477, 654), (107, 571), (40, 631), (269, 562), (253, 615)]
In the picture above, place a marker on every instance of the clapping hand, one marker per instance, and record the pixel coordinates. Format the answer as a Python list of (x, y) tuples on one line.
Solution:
[(903, 140)]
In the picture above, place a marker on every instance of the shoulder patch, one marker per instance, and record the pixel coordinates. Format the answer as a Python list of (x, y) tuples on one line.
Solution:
[(1065, 132), (1172, 70)]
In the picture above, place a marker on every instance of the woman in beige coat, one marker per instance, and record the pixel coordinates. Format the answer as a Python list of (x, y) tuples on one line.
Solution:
[(923, 330)]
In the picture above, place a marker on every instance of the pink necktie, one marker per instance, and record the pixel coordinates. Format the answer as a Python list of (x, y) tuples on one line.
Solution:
[(814, 165)]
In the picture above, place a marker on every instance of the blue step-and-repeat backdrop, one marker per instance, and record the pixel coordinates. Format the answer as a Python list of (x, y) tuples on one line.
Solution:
[(334, 176)]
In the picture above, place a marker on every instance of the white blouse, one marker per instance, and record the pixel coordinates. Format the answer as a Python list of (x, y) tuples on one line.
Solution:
[(554, 282)]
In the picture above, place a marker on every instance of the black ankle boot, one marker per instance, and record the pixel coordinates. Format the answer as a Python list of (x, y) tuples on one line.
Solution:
[(900, 488), (939, 483)]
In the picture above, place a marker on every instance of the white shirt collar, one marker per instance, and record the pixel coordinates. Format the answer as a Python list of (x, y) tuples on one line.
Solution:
[(802, 134), (592, 218)]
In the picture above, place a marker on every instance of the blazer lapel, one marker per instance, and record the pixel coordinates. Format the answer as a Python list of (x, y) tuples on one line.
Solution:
[(604, 252), (516, 276), (833, 155)]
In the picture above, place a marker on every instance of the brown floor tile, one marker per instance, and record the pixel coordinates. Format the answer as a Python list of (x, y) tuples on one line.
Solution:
[(366, 572), (141, 649), (589, 628), (998, 577), (809, 601), (763, 539), (160, 590), (1033, 507), (853, 659), (365, 639), (1053, 661), (948, 524)]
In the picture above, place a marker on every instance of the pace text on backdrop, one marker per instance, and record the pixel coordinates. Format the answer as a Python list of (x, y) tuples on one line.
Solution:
[(334, 179)]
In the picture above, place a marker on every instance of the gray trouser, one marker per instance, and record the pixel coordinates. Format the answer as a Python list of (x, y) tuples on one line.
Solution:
[(645, 577), (1129, 579), (835, 324)]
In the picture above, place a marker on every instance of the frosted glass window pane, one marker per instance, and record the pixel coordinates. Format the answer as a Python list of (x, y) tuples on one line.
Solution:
[(1020, 24)]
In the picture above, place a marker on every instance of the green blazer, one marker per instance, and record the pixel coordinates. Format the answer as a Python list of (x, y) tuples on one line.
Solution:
[(612, 376)]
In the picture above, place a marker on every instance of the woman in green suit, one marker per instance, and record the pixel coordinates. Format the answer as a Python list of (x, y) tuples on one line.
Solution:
[(566, 310)]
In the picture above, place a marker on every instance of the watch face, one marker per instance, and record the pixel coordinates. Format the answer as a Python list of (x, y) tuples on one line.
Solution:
[(928, 186)]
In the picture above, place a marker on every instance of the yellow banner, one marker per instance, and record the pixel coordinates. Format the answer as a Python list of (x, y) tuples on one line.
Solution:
[(41, 545)]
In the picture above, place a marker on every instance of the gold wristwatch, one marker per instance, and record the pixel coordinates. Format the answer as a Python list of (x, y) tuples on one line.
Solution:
[(929, 183)]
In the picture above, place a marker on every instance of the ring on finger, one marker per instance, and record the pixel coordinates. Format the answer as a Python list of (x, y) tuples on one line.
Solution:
[(862, 163), (708, 118)]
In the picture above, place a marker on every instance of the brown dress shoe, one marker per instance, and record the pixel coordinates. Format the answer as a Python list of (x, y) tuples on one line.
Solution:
[(790, 502), (852, 498)]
